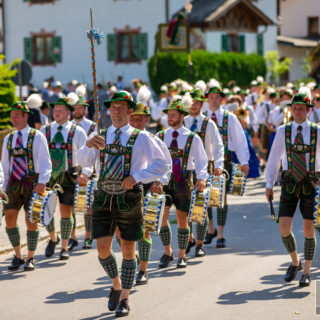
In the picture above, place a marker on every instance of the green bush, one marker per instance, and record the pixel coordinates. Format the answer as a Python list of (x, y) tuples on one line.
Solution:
[(224, 67)]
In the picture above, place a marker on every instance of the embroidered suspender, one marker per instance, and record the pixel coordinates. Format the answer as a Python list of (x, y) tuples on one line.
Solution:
[(203, 130), (117, 150), (91, 129), (224, 132), (23, 152)]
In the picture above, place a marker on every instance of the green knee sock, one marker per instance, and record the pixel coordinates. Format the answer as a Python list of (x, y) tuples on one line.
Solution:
[(202, 229), (222, 216), (51, 226), (32, 239), (14, 236), (66, 225), (110, 266), (290, 243), (166, 235), (144, 248), (183, 238), (87, 222), (309, 248), (128, 271)]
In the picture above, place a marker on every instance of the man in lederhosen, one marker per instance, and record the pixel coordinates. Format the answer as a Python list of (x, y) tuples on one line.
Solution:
[(128, 158), (64, 140), (27, 167), (233, 139), (88, 126), (187, 153), (197, 122), (297, 146)]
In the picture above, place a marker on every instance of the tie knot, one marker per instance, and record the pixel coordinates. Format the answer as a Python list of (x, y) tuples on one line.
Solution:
[(19, 133), (175, 134), (117, 132), (299, 128), (60, 128), (195, 120)]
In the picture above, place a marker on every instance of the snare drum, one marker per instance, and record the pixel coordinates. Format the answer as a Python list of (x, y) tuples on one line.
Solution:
[(238, 181), (42, 207), (217, 186), (316, 211), (82, 198), (153, 211), (3, 200), (199, 205)]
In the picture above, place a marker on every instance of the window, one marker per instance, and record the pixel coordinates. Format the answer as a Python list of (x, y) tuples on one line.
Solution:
[(43, 49), (313, 26), (233, 43), (127, 46)]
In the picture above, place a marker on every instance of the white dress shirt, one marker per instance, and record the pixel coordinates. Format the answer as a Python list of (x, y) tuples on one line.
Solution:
[(213, 142), (278, 151), (148, 163), (314, 116), (1, 176), (40, 152), (157, 108), (276, 117), (79, 139), (197, 156), (85, 124), (237, 140), (263, 110)]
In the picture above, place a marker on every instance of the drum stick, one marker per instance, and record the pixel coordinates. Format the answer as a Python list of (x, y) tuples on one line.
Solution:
[(273, 216)]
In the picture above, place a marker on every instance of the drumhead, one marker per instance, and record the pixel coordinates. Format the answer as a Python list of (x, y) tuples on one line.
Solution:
[(50, 208)]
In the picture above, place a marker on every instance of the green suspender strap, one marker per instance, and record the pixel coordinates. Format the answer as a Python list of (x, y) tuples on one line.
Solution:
[(224, 132), (117, 150), (23, 152), (203, 130), (91, 129)]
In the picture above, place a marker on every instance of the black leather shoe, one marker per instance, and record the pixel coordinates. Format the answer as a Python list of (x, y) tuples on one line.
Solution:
[(30, 265), (123, 308), (51, 246), (142, 278), (209, 237), (114, 298), (87, 244), (165, 260), (64, 255), (221, 243), (16, 263), (292, 272), (190, 245), (182, 262), (305, 280), (199, 251), (72, 243)]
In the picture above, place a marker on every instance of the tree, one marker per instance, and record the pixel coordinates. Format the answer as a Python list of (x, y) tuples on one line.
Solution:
[(275, 66)]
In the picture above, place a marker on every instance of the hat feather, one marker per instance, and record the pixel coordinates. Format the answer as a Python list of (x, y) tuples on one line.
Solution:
[(73, 98), (81, 90), (144, 94), (35, 101)]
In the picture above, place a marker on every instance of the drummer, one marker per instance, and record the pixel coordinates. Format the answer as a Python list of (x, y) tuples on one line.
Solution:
[(178, 138), (122, 173), (197, 122), (64, 140), (139, 119), (300, 172), (26, 167), (80, 109), (233, 139)]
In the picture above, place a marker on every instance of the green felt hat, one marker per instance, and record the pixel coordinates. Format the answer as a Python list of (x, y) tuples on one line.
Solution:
[(197, 95), (216, 90), (82, 102), (21, 106), (177, 105), (141, 109), (300, 99), (121, 96), (63, 102)]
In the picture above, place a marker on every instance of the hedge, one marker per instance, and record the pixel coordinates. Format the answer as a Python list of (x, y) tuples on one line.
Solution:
[(226, 66)]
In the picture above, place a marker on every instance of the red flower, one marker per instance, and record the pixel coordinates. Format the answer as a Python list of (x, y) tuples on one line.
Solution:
[(307, 99), (126, 97), (145, 107), (19, 106), (178, 107), (87, 101)]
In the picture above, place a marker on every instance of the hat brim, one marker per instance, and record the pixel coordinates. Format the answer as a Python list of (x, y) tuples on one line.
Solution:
[(52, 105), (25, 111), (107, 103), (140, 113), (222, 94), (199, 99), (181, 111), (309, 105)]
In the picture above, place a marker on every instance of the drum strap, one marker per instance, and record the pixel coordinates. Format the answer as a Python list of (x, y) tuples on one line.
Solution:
[(23, 152), (117, 150), (91, 129), (224, 132), (302, 148)]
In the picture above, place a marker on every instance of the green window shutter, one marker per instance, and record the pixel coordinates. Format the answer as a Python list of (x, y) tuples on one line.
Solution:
[(112, 47), (260, 44), (57, 49), (242, 43), (28, 49), (224, 43), (143, 46)]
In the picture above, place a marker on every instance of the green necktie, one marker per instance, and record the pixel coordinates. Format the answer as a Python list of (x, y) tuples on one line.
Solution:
[(58, 155)]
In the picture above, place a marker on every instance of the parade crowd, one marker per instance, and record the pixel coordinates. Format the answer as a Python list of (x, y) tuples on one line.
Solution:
[(189, 147)]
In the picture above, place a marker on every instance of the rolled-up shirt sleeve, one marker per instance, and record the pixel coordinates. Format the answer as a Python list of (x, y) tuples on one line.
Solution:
[(41, 153)]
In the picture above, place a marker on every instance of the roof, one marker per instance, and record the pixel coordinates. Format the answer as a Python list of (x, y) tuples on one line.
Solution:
[(297, 42)]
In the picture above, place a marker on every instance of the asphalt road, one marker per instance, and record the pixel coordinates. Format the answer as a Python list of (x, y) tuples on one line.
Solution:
[(242, 281)]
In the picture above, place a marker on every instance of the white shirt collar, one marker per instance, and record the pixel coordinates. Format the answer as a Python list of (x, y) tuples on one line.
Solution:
[(24, 130), (303, 125), (125, 128)]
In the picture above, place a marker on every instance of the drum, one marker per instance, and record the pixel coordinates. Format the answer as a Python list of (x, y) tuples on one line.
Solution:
[(42, 207), (316, 211), (238, 181), (153, 211), (3, 200), (82, 198), (217, 186), (199, 205)]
